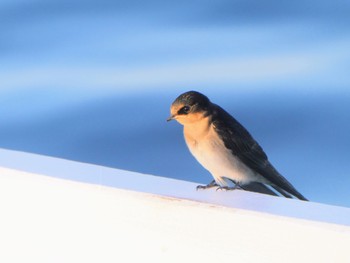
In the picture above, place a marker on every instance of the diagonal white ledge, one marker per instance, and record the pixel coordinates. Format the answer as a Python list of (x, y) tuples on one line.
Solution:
[(55, 210), (145, 183)]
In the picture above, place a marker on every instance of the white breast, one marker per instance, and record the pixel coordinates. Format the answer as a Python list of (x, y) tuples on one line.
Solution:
[(212, 154)]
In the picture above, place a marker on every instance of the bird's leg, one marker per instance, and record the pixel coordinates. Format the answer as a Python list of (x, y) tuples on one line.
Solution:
[(210, 185), (227, 188)]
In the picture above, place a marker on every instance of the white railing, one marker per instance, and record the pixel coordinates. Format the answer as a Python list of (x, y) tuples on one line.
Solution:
[(106, 215)]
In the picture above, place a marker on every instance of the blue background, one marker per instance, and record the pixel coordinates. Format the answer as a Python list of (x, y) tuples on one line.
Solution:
[(93, 81)]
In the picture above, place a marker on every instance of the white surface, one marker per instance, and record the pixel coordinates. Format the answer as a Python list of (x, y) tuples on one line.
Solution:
[(173, 188), (53, 220), (46, 219)]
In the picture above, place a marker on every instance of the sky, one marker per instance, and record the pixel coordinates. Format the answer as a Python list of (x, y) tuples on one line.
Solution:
[(93, 81)]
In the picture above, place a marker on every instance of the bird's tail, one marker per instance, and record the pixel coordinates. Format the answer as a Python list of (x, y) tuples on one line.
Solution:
[(294, 193), (288, 189), (281, 185)]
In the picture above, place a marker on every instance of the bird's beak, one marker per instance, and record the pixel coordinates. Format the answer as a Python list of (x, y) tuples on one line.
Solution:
[(172, 117)]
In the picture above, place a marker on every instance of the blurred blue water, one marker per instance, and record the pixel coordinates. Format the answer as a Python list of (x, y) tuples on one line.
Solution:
[(93, 81)]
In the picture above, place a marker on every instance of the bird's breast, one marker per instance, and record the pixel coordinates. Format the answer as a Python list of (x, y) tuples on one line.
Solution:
[(211, 153), (208, 149)]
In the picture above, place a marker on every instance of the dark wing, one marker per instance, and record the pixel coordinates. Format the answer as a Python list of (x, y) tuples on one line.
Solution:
[(241, 143), (258, 188)]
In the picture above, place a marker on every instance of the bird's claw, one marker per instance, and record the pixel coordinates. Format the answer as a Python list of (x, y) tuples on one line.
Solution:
[(214, 184), (210, 185), (201, 187)]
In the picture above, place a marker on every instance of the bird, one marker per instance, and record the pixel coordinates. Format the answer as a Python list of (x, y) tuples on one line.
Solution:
[(226, 149)]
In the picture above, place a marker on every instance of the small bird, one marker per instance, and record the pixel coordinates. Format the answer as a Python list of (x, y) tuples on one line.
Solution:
[(225, 148)]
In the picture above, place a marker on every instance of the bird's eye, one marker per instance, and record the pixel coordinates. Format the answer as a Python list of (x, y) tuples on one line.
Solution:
[(184, 110)]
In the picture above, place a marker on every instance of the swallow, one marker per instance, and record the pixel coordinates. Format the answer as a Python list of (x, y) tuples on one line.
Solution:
[(225, 148)]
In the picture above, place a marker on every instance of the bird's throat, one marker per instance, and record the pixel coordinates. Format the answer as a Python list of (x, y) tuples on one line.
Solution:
[(198, 130)]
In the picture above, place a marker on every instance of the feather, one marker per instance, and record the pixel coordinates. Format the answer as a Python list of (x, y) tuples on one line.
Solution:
[(239, 141)]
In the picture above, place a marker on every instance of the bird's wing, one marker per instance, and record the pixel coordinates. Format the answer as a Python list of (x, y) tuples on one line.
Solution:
[(239, 141), (258, 188), (243, 146)]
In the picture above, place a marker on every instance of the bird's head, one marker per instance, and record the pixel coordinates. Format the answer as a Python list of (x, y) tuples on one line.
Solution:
[(189, 107)]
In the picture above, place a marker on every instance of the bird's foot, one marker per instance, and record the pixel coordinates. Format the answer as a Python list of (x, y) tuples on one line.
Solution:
[(210, 185), (228, 188)]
